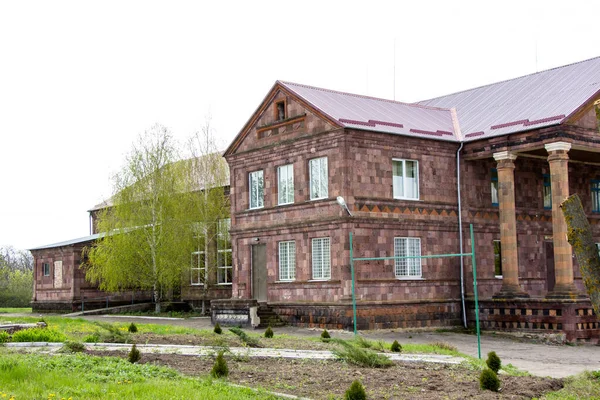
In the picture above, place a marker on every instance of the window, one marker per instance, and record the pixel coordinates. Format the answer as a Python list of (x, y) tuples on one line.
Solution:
[(494, 172), (285, 187), (287, 261), (595, 196), (280, 111), (321, 263), (224, 261), (405, 179), (46, 269), (407, 267), (256, 189), (497, 258), (598, 248), (547, 192), (318, 178), (199, 273)]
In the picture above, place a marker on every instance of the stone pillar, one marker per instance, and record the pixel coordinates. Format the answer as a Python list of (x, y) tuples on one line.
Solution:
[(508, 226), (558, 159)]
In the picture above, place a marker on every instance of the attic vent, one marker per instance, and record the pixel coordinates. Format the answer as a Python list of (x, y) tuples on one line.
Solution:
[(280, 111)]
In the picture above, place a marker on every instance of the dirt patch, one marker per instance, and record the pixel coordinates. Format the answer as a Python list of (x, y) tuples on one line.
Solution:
[(320, 379)]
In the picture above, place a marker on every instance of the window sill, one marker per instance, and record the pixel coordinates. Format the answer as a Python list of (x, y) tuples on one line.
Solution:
[(285, 204), (319, 198), (255, 208), (224, 284), (286, 281), (319, 280), (410, 278), (407, 198), (498, 276), (196, 284)]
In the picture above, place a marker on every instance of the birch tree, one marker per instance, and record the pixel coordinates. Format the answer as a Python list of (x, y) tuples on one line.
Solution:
[(147, 233)]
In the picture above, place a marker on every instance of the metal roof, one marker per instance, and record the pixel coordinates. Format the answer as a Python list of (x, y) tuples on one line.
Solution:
[(380, 115), (69, 242), (530, 102)]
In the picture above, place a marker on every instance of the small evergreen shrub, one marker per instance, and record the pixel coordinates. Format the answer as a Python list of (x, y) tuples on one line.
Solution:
[(4, 337), (493, 361), (269, 332), (218, 329), (72, 347), (220, 369), (325, 336), (488, 380), (112, 334), (356, 392), (132, 328), (134, 355), (362, 342), (396, 348)]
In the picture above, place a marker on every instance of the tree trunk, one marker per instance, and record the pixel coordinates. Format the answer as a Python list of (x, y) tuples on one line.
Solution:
[(580, 237)]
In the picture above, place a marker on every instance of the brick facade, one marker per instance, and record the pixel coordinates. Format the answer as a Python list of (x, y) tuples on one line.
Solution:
[(360, 168)]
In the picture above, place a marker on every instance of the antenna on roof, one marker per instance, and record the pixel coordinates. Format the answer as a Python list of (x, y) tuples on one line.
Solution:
[(394, 69)]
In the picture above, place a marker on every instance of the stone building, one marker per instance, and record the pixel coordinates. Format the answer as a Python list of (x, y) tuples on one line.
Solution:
[(521, 147)]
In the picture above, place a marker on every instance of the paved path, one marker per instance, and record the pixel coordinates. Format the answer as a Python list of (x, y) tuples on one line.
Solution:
[(536, 358), (187, 350)]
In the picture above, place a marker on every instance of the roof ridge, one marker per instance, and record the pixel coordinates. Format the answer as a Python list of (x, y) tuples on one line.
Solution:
[(507, 80), (287, 84)]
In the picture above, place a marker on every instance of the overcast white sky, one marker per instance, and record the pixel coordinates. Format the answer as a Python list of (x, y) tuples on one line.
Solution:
[(79, 80)]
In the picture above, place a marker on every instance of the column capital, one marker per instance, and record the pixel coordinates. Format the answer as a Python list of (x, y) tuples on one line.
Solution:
[(505, 155), (565, 146)]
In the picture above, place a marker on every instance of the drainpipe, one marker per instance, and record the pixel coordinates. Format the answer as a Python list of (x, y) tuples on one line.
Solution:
[(458, 133)]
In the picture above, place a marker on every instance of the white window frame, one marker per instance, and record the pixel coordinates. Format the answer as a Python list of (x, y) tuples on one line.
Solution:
[(287, 260), (256, 183), (46, 269), (223, 227), (407, 268), (285, 180), (405, 180), (321, 261), (319, 182), (196, 269)]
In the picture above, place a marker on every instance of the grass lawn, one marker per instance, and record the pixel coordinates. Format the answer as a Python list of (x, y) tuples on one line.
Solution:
[(29, 376), (6, 310)]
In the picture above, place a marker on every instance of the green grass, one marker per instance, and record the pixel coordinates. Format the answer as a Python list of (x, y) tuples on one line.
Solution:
[(27, 376), (12, 310), (582, 386)]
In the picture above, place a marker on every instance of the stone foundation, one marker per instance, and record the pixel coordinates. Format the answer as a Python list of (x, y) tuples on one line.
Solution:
[(575, 318), (374, 315), (234, 312)]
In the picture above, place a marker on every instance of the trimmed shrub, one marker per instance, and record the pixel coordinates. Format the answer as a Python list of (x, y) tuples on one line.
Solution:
[(134, 355), (396, 348), (356, 392), (112, 334), (38, 335), (488, 380), (218, 329), (132, 328), (325, 335), (493, 361), (93, 338), (220, 369), (269, 332)]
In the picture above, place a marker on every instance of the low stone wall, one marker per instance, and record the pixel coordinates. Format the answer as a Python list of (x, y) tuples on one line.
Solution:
[(574, 318), (234, 312), (373, 315)]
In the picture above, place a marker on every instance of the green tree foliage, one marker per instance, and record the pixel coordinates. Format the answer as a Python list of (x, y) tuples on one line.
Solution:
[(218, 329), (16, 278), (134, 355), (269, 332), (396, 347), (220, 368), (147, 238)]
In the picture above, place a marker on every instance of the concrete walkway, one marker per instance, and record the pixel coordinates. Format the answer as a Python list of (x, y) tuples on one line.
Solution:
[(199, 351)]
